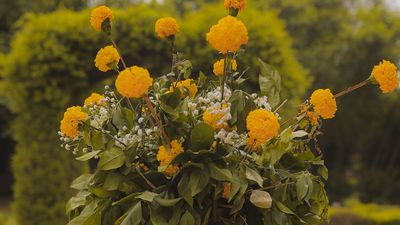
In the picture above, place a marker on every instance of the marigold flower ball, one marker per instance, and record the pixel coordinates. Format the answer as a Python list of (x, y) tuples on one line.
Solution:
[(99, 15), (70, 121), (185, 86), (236, 4), (262, 125), (166, 27), (133, 82), (386, 75), (94, 99), (228, 35), (107, 58), (218, 67), (165, 157), (324, 103)]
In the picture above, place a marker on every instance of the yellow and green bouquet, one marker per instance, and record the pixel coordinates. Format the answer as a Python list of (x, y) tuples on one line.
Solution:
[(176, 149)]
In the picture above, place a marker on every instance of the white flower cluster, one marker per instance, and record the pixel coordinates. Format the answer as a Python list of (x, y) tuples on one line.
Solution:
[(69, 143), (231, 138), (98, 114), (147, 138), (261, 101), (212, 102)]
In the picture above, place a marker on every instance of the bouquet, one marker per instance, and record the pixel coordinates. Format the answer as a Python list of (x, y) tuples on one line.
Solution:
[(178, 149)]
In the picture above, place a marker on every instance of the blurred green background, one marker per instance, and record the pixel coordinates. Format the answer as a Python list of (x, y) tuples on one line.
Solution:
[(46, 64)]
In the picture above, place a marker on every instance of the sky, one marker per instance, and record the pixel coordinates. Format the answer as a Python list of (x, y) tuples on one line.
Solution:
[(394, 3)]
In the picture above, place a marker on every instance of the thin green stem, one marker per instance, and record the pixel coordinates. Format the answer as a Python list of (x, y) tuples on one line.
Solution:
[(119, 52)]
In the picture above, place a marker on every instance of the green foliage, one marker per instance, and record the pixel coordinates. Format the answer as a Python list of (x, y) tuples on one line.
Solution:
[(282, 183)]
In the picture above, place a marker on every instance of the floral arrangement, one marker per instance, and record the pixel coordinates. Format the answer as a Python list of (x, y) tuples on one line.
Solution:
[(175, 149)]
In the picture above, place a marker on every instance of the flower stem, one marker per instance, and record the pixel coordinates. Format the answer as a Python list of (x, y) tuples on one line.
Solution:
[(227, 65), (280, 106), (145, 178), (119, 53), (155, 117), (352, 88)]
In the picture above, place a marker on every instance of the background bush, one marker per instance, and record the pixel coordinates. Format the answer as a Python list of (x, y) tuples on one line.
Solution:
[(339, 42), (50, 66)]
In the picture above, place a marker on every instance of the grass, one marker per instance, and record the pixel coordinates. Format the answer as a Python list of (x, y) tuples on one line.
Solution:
[(379, 214)]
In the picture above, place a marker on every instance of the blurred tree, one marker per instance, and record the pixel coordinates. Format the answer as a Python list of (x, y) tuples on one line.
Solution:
[(50, 66), (340, 41), (11, 11)]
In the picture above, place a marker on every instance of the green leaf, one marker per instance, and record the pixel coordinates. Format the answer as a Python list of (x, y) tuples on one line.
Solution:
[(183, 189), (187, 219), (134, 215), (202, 136), (301, 187), (284, 209), (270, 83), (261, 199), (123, 117), (254, 176), (167, 202), (100, 192), (240, 108), (147, 196), (286, 135), (113, 181), (74, 203), (219, 174), (97, 140), (89, 216), (87, 156), (323, 171), (111, 159), (82, 181), (198, 181)]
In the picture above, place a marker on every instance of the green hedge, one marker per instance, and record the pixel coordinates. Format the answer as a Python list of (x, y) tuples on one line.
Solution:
[(50, 66)]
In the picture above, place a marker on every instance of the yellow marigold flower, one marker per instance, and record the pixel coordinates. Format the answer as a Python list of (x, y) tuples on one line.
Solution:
[(166, 27), (185, 86), (171, 170), (311, 115), (70, 121), (227, 190), (165, 157), (94, 99), (219, 67), (133, 82), (386, 75), (324, 103), (228, 35), (262, 125), (236, 4), (214, 120), (99, 15), (107, 58)]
